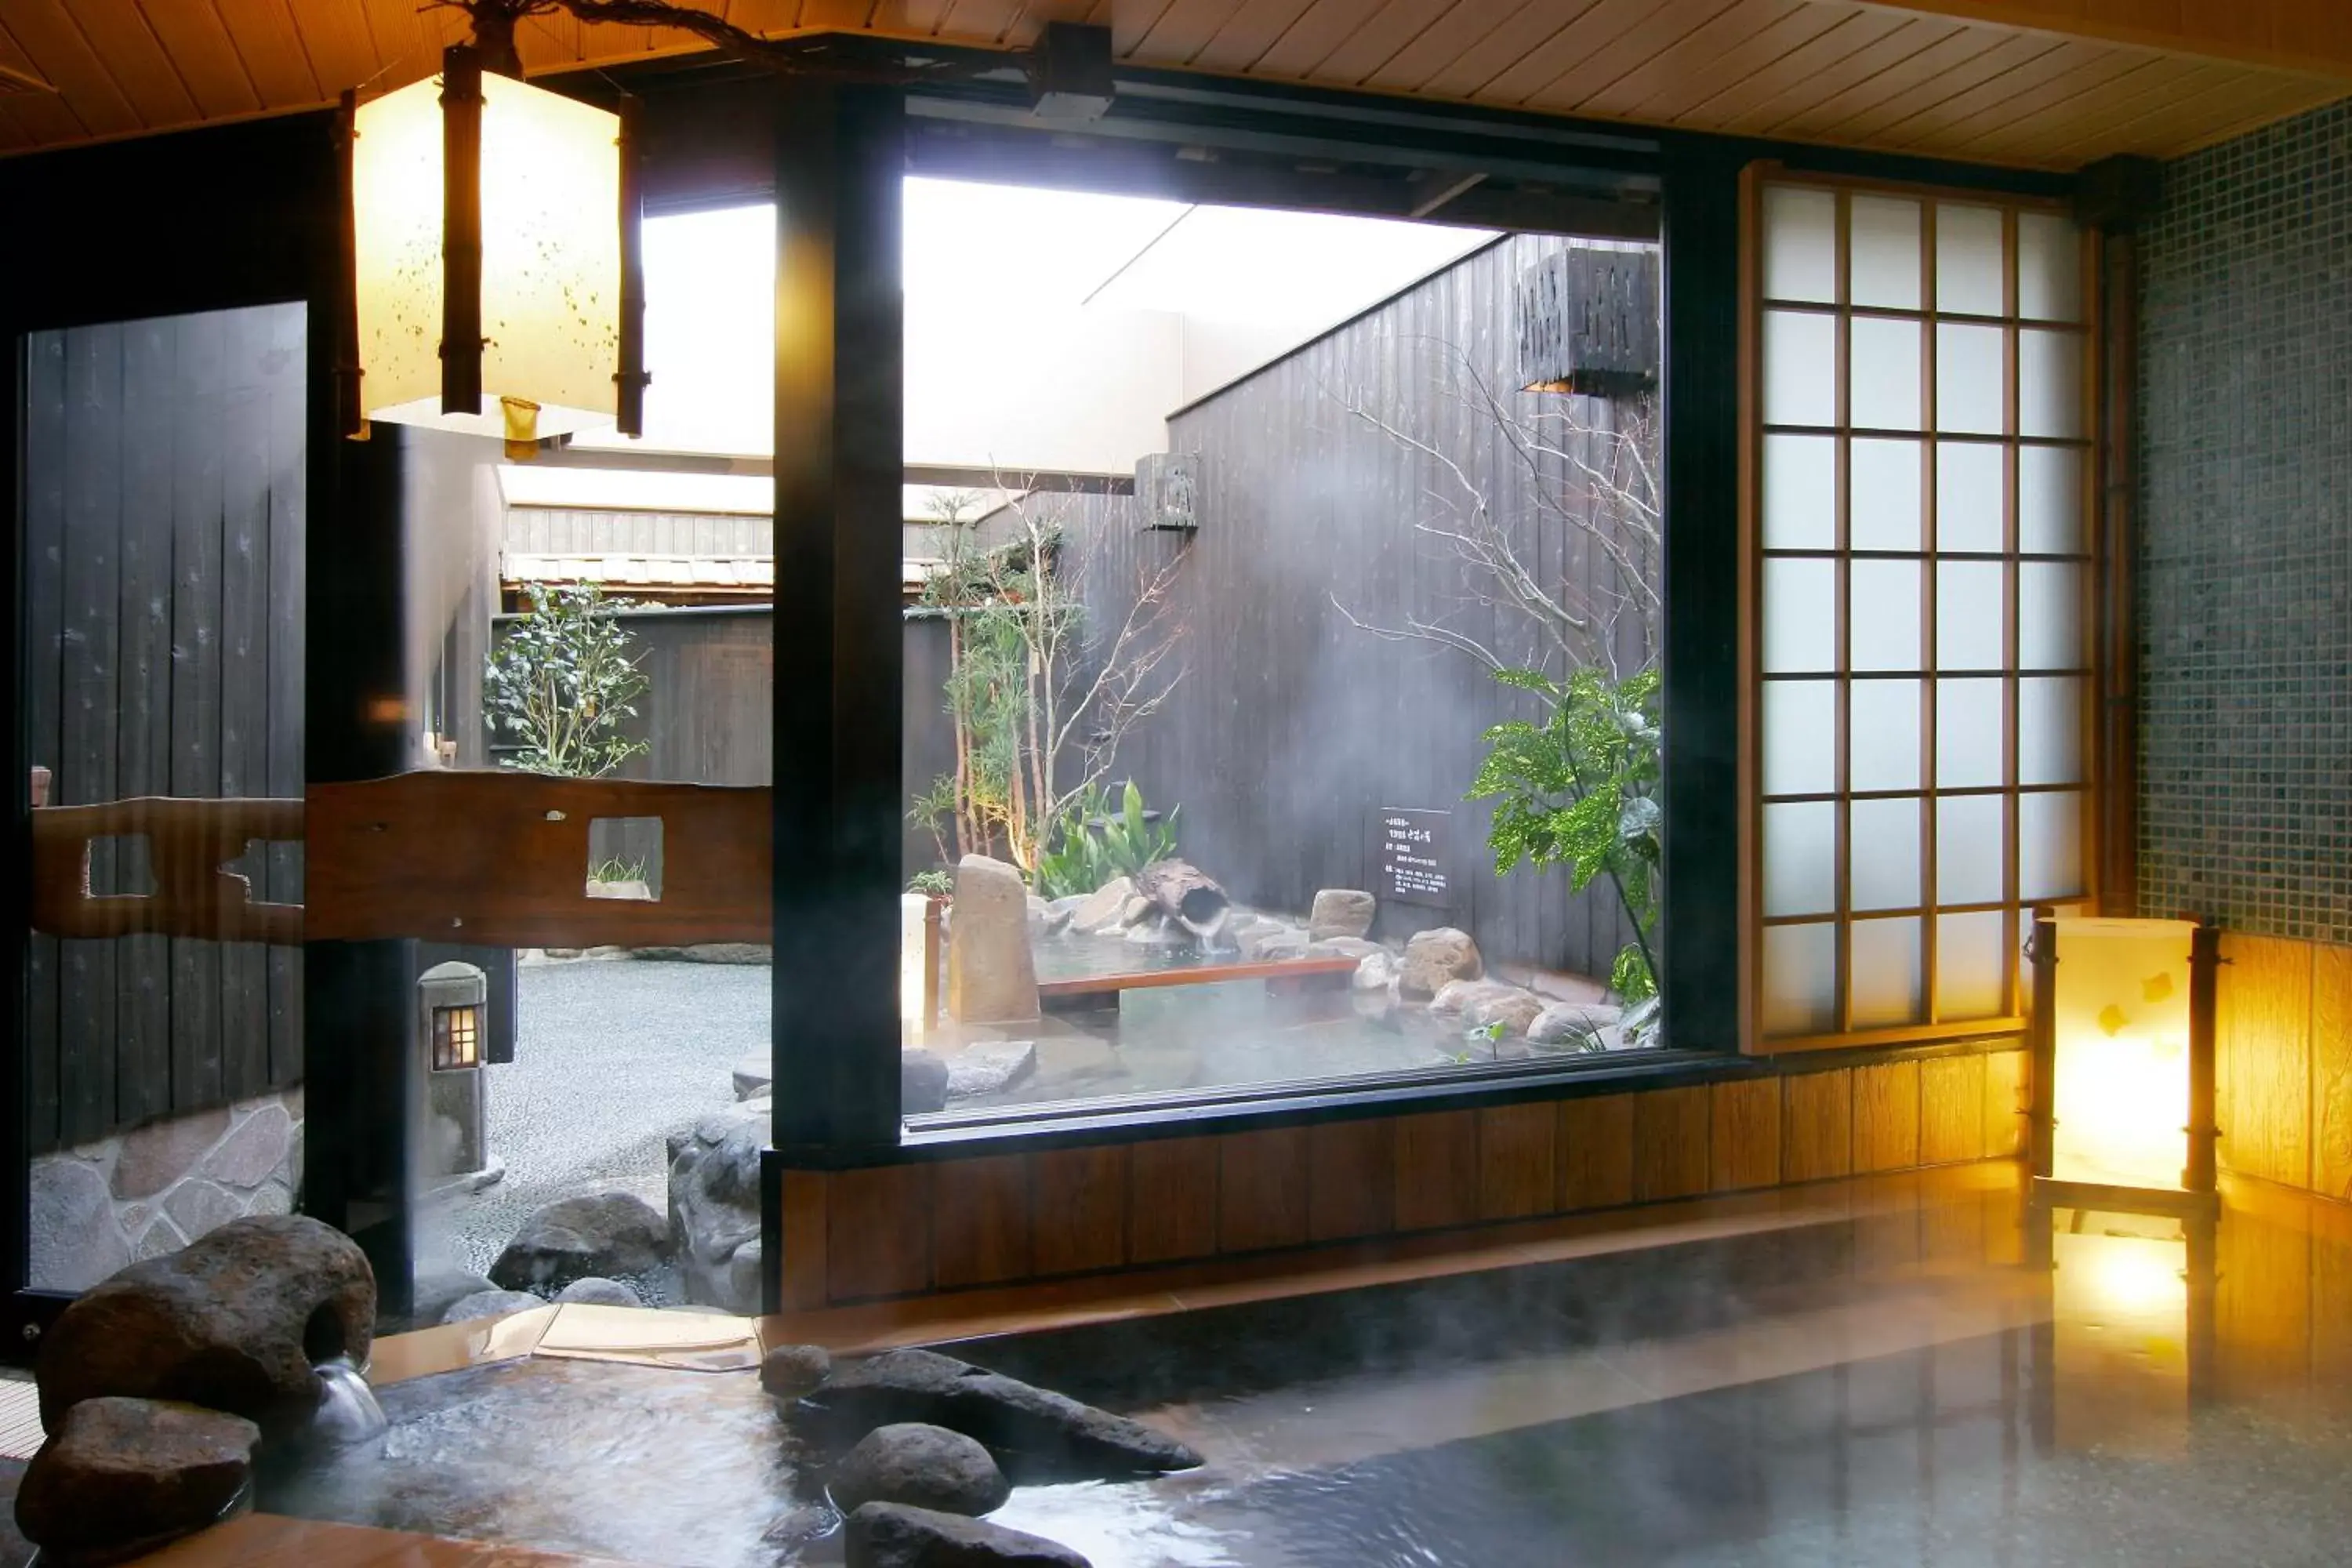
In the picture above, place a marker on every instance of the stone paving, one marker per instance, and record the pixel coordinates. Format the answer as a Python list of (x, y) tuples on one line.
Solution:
[(611, 1055)]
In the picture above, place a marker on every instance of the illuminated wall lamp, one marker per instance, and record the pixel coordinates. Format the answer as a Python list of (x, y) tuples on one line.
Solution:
[(494, 283), (2122, 1039)]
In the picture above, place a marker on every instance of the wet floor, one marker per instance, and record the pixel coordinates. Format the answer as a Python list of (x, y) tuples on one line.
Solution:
[(1910, 1388)]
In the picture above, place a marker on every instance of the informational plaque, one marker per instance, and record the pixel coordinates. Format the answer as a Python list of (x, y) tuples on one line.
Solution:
[(1409, 856)]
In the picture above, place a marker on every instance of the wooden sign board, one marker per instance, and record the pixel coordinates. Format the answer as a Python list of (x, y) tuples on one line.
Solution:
[(1410, 857)]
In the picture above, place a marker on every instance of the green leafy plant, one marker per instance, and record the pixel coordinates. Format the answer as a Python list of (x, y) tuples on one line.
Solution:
[(1091, 843), (1578, 789), (932, 884), (562, 680), (613, 868)]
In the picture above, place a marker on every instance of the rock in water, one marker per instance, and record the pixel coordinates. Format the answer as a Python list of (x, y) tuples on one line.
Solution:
[(714, 1206), (923, 1080), (986, 1067), (1374, 972), (489, 1304), (1461, 995), (1571, 1023), (891, 1535), (921, 1466), (235, 1320), (1102, 907), (1340, 912), (991, 977), (122, 1476), (1035, 1432), (1435, 956), (592, 1234), (593, 1291), (1511, 1008), (789, 1372)]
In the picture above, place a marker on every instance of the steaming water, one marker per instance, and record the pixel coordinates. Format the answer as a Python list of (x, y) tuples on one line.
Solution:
[(348, 1412)]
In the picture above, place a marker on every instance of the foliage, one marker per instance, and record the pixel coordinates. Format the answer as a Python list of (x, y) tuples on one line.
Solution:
[(562, 680), (613, 868), (1092, 844), (934, 884), (1579, 790)]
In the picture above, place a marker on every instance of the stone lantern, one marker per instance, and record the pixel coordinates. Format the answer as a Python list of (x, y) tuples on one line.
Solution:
[(452, 1023)]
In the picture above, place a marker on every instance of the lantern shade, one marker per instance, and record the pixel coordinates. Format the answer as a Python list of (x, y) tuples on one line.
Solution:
[(2121, 1030), (551, 236)]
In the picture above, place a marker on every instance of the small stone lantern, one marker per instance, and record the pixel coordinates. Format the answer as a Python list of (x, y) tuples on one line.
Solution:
[(452, 1006)]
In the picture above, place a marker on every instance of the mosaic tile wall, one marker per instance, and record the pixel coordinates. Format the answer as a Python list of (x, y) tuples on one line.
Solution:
[(2246, 534)]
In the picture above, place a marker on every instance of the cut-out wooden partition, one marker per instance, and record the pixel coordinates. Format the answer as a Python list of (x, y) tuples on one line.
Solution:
[(496, 858)]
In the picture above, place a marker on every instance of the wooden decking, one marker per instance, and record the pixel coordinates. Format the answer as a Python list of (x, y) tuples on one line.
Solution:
[(1096, 988)]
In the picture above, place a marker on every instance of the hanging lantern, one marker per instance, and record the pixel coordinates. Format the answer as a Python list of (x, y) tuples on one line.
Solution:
[(495, 288)]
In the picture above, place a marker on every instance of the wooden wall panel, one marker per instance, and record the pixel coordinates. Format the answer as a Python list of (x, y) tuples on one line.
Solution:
[(1172, 1205), (1350, 1179), (1262, 1190), (1517, 1158), (2265, 995), (1671, 1146), (1078, 1200), (2262, 1302), (2331, 1072), (1951, 1110), (1817, 1126), (1886, 1117), (879, 1232), (1745, 1134), (2006, 1103), (804, 1263), (1596, 1152), (1436, 1170), (980, 1221)]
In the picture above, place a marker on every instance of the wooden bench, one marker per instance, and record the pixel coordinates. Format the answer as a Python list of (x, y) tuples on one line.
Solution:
[(1283, 978)]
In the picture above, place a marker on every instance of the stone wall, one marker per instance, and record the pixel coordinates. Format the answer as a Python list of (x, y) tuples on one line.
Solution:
[(97, 1206), (2245, 559)]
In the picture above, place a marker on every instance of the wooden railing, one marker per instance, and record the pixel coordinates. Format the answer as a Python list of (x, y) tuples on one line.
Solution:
[(496, 858)]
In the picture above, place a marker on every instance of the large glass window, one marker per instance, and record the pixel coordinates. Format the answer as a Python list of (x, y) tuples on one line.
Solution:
[(1920, 472)]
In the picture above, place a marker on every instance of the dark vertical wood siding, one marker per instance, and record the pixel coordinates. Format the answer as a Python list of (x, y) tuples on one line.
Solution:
[(1291, 725), (164, 497)]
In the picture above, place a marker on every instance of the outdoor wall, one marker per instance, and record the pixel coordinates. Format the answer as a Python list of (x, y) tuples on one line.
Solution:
[(2245, 581)]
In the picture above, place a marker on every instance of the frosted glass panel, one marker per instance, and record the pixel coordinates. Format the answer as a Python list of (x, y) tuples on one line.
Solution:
[(1885, 984), (1885, 607), (2050, 500), (1800, 244), (1799, 616), (1800, 368), (1968, 260), (2049, 268), (1883, 861), (2048, 383), (1800, 980), (1969, 379), (1968, 852), (2049, 846), (1968, 484), (1968, 733), (1800, 737), (1971, 967), (1883, 735), (1883, 252), (1799, 492), (1884, 392), (2050, 616), (1886, 510), (2050, 731), (1967, 615), (1799, 858)]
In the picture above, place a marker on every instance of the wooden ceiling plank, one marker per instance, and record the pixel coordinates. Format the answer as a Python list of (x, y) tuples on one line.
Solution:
[(1483, 58), (335, 34), (1655, 45), (409, 40), (1748, 34), (973, 21), (1872, 122), (1244, 38), (1591, 31), (1130, 22), (1184, 29), (1310, 41), (1385, 33), (198, 43), (57, 51), (844, 15), (44, 117), (13, 135), (1835, 99), (2266, 101), (266, 41), (1755, 89), (768, 16), (2060, 74), (2162, 80)]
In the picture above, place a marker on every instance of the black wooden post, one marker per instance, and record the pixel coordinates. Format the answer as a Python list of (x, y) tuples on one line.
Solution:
[(839, 160), (1700, 943)]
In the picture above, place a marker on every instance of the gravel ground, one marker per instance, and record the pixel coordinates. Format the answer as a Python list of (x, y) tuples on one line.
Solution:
[(611, 1055)]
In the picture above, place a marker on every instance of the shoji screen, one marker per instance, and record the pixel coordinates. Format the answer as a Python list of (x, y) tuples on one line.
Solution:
[(1918, 473)]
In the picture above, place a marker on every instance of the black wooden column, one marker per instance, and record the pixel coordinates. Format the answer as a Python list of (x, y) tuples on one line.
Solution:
[(1700, 951), (839, 160)]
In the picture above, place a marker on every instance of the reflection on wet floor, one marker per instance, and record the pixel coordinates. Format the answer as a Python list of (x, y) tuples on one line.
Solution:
[(1895, 1388)]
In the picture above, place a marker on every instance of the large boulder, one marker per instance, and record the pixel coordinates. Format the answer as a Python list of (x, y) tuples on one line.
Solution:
[(1036, 1433), (1340, 912), (714, 1206), (597, 1292), (491, 1303), (790, 1371), (1103, 907), (924, 1081), (1435, 956), (587, 1235), (1355, 947), (992, 976), (891, 1535), (1510, 1009), (921, 1466), (437, 1290), (119, 1477), (235, 1320), (1571, 1023), (986, 1067), (1374, 970), (1461, 995)]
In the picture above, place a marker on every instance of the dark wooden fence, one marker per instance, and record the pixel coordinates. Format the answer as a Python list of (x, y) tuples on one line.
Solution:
[(163, 593)]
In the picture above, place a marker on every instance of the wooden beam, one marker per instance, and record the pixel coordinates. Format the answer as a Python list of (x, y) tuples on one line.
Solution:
[(2307, 38)]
